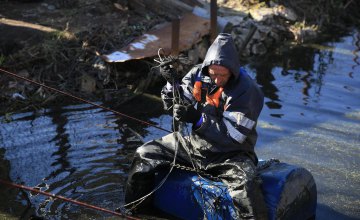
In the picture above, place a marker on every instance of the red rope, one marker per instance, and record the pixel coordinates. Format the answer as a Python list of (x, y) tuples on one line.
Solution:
[(65, 199), (83, 100)]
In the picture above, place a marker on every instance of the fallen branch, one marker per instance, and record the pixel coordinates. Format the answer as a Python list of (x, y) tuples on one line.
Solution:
[(38, 27)]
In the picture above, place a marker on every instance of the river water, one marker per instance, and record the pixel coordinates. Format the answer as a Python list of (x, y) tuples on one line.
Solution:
[(311, 118)]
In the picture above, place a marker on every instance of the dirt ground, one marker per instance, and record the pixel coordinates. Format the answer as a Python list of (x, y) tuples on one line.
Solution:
[(56, 41), (112, 20)]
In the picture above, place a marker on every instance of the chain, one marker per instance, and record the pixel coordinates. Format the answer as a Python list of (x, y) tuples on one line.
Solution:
[(268, 163), (200, 172)]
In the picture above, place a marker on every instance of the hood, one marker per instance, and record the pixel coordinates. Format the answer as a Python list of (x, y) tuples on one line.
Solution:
[(222, 52)]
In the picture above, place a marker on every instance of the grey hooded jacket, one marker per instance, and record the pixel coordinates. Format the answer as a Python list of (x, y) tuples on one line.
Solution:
[(230, 128)]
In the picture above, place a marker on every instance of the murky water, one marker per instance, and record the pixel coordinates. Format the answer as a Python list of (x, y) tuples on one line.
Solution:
[(311, 118)]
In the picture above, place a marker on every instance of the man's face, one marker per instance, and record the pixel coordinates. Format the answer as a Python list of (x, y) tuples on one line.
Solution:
[(219, 74)]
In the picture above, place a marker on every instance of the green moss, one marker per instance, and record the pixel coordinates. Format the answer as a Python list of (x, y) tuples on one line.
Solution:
[(56, 35), (2, 59), (7, 117)]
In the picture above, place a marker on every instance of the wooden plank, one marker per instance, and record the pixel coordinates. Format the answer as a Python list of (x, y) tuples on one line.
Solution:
[(192, 29)]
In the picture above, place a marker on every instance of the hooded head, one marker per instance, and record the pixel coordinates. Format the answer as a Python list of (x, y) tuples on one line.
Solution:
[(222, 52)]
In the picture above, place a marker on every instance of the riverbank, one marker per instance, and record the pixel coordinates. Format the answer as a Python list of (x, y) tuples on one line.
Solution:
[(57, 42)]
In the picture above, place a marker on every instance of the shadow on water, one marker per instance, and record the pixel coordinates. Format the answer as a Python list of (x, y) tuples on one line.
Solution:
[(310, 118)]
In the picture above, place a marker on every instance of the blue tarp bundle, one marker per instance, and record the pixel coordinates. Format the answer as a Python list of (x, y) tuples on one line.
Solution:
[(289, 191)]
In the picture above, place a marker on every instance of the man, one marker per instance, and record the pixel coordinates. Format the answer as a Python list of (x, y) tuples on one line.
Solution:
[(223, 104)]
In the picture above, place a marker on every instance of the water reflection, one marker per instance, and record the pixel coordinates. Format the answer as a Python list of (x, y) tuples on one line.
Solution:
[(299, 65), (61, 140), (356, 42), (67, 151), (264, 77), (9, 199), (288, 59), (316, 130)]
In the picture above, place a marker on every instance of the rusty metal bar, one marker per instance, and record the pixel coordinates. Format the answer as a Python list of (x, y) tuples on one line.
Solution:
[(82, 100), (14, 185), (175, 36), (213, 20)]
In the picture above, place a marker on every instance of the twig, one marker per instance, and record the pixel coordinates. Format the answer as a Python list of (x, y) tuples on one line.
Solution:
[(348, 3)]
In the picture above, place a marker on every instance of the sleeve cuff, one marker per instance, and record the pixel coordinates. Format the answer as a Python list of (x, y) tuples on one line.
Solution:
[(198, 124)]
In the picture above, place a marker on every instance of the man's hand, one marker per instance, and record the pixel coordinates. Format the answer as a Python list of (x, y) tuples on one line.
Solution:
[(186, 113), (169, 73)]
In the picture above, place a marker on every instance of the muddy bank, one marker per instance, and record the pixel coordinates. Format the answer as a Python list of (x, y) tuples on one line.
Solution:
[(57, 42), (64, 56)]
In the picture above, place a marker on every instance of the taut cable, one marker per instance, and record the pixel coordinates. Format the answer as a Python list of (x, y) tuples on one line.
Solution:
[(82, 100), (66, 199)]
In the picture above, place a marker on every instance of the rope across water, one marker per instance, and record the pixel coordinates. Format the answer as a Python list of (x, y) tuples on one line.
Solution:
[(82, 100)]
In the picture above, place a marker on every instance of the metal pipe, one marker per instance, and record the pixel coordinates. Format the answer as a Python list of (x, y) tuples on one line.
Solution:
[(14, 185), (213, 20), (175, 35)]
